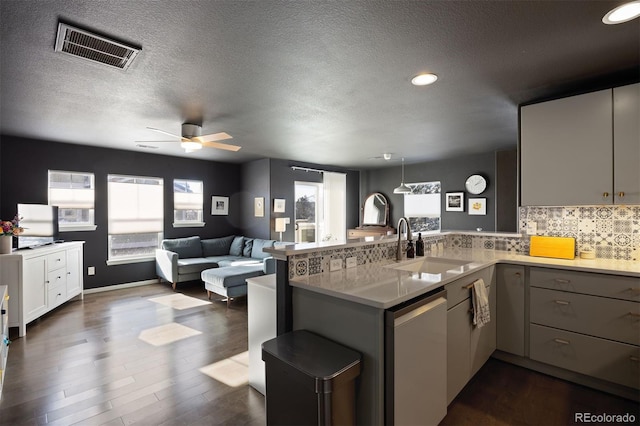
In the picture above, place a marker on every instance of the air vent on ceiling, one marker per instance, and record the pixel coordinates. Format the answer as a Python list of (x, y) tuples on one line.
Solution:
[(93, 47)]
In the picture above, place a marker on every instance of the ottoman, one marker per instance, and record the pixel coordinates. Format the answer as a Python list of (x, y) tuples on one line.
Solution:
[(230, 281)]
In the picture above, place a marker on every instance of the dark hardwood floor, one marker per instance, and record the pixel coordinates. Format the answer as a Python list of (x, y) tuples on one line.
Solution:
[(85, 363)]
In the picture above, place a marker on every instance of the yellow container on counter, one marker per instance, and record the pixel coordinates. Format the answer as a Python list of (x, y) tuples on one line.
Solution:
[(556, 247)]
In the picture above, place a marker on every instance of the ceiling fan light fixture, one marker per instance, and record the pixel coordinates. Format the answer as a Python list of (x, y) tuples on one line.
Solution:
[(190, 146), (402, 189), (424, 79), (622, 13)]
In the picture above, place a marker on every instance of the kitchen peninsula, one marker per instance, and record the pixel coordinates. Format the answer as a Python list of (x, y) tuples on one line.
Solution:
[(348, 305)]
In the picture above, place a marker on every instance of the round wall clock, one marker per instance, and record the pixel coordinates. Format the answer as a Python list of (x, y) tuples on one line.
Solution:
[(475, 184)]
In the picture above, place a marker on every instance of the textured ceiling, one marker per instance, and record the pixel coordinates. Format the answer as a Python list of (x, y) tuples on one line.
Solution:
[(315, 81)]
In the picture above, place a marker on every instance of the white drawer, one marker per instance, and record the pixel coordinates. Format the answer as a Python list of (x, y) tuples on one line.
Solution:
[(597, 316), (56, 260), (56, 296), (592, 356), (614, 286), (57, 278)]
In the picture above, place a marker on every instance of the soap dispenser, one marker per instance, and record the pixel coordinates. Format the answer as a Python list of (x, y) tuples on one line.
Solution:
[(411, 253), (420, 245)]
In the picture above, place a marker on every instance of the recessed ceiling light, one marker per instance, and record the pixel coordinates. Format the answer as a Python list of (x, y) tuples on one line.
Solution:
[(424, 79), (623, 13)]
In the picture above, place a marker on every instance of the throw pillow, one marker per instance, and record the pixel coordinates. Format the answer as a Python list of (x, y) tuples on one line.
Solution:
[(258, 245), (236, 246), (248, 245)]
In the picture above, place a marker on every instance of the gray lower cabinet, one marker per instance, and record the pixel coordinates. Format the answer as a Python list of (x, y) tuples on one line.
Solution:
[(588, 323), (510, 308), (468, 347), (601, 358)]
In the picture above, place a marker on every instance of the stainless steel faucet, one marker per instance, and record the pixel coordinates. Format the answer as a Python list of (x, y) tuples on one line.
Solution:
[(399, 252)]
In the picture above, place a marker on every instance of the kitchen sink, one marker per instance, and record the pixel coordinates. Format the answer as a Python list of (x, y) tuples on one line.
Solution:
[(432, 265)]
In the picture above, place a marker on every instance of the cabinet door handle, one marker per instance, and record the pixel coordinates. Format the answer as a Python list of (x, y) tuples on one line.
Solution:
[(621, 194), (69, 273), (635, 290), (562, 341), (633, 358), (562, 302), (467, 287), (562, 281), (517, 274), (605, 195), (634, 314)]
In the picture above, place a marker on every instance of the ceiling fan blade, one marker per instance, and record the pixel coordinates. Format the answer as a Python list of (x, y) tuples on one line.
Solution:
[(219, 145), (167, 133), (213, 137)]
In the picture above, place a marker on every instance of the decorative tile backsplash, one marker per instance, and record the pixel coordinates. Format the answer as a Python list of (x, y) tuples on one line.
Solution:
[(612, 231)]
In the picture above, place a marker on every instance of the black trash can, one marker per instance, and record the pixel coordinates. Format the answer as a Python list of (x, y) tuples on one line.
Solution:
[(310, 380)]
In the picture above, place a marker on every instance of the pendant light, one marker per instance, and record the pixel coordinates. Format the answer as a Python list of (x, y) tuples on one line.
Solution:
[(402, 189)]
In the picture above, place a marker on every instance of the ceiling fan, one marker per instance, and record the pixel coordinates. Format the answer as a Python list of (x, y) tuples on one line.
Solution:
[(192, 138)]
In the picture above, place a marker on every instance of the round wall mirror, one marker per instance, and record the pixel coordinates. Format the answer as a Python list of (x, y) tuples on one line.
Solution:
[(375, 210)]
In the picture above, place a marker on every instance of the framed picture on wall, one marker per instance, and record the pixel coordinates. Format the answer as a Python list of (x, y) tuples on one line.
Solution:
[(278, 205), (454, 201), (478, 206), (258, 206), (219, 206)]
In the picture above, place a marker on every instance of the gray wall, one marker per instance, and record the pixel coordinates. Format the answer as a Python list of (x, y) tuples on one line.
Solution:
[(283, 180), (24, 177), (452, 174)]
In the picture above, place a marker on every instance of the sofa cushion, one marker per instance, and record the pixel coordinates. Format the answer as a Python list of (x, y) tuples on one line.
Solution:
[(217, 246), (239, 262), (236, 246), (231, 276), (185, 247), (248, 245), (258, 245), (225, 260), (194, 264)]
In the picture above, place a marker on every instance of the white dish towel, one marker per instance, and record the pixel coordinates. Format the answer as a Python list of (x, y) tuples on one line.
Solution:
[(480, 299)]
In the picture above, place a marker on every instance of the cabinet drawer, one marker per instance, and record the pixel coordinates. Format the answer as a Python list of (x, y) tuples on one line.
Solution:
[(56, 296), (615, 286), (597, 316), (459, 290), (56, 260), (592, 356), (57, 278)]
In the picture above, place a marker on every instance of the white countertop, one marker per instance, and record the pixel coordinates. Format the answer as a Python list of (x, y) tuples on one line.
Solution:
[(380, 286)]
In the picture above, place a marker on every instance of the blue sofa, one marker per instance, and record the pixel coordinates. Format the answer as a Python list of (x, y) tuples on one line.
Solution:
[(185, 259)]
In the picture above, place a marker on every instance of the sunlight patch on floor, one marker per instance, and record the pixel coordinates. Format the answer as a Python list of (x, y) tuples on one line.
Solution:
[(179, 301), (165, 334), (233, 371)]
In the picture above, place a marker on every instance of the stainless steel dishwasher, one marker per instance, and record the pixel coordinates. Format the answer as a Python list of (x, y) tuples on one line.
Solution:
[(416, 361)]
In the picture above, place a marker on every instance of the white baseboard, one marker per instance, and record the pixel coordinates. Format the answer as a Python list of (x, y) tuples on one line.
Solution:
[(120, 286)]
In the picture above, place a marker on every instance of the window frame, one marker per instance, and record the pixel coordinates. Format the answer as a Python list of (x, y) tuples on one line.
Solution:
[(134, 258), (84, 226), (188, 223)]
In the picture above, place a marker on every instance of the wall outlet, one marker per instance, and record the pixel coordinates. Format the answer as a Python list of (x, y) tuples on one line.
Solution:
[(352, 262), (91, 270), (335, 265), (532, 228)]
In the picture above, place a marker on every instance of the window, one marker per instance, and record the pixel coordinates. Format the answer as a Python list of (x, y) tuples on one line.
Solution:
[(187, 203), (422, 206), (135, 217), (74, 194)]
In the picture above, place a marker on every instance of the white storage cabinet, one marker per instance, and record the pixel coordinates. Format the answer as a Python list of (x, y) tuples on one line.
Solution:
[(40, 280)]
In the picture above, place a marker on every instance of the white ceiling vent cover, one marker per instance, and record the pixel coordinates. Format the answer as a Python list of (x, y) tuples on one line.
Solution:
[(92, 47)]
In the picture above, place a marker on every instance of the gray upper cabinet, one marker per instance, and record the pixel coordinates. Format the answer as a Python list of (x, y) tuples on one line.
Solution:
[(567, 149), (626, 152)]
